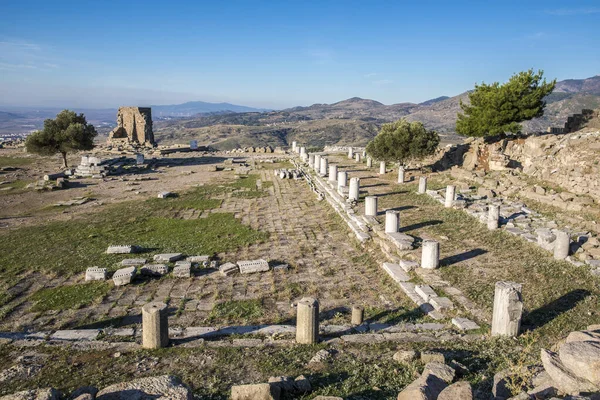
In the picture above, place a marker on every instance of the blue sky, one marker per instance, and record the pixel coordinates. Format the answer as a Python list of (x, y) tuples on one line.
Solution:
[(280, 54)]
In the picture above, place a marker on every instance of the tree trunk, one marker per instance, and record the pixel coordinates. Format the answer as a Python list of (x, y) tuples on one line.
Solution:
[(64, 157)]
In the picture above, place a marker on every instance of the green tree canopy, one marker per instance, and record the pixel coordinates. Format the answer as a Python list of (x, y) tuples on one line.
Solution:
[(496, 109), (66, 133), (402, 141)]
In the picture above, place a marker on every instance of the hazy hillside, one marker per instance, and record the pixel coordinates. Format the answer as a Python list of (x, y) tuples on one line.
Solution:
[(200, 107)]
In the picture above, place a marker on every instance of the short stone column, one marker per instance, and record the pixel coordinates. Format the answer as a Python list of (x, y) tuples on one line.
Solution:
[(430, 254), (382, 168), (307, 321), (358, 315), (369, 162), (450, 193), (493, 220), (342, 179), (350, 153), (302, 152), (392, 221), (294, 144), (371, 206), (508, 309), (561, 245), (155, 326), (401, 174), (317, 165), (422, 184), (311, 160), (324, 166), (333, 172), (357, 157), (354, 191)]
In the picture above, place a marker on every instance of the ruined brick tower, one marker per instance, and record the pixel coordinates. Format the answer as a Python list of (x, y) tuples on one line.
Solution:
[(134, 126)]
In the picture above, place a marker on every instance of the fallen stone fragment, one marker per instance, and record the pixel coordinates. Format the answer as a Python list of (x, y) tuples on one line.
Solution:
[(426, 387), (182, 270), (260, 391), (133, 262), (583, 336), (464, 324), (158, 387), (321, 356), (425, 291), (124, 276), (459, 390), (248, 267), (154, 270), (441, 303), (95, 274), (168, 257), (75, 334), (164, 195), (122, 249), (228, 269)]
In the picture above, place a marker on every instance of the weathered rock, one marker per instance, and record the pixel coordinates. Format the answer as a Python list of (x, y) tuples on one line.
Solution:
[(182, 270), (34, 394), (302, 385), (285, 383), (583, 336), (405, 356), (583, 358), (228, 269), (84, 390), (124, 276), (133, 262), (260, 391), (564, 379), (157, 387), (500, 386), (440, 370), (95, 274), (122, 249), (134, 125), (154, 270), (457, 391), (168, 257), (427, 387)]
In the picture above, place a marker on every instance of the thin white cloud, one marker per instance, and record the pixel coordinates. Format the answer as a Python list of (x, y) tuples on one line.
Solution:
[(20, 44), (371, 75), (562, 12), (9, 66)]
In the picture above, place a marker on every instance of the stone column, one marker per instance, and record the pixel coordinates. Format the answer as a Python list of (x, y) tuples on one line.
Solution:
[(422, 184), (382, 168), (493, 217), (357, 157), (401, 174), (561, 245), (333, 172), (450, 193), (317, 164), (294, 146), (358, 315), (311, 160), (302, 151), (369, 162), (508, 308), (392, 221), (342, 179), (430, 254), (350, 152), (155, 326), (353, 194), (307, 321), (324, 166), (371, 206)]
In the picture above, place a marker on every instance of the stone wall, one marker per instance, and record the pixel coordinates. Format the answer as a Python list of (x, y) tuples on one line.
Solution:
[(134, 125)]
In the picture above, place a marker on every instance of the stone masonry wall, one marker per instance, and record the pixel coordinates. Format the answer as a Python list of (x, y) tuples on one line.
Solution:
[(134, 125)]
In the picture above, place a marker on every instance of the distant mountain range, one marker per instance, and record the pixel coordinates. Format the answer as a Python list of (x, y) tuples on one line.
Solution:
[(356, 121), (200, 107)]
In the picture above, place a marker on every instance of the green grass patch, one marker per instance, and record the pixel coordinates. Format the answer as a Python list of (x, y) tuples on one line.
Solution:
[(69, 297), (236, 310), (15, 161)]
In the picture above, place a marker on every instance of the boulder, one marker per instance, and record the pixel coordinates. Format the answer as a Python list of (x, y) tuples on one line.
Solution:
[(458, 390), (84, 391), (441, 370), (427, 387), (34, 394), (500, 386), (564, 380), (583, 336), (156, 387), (583, 358), (260, 391)]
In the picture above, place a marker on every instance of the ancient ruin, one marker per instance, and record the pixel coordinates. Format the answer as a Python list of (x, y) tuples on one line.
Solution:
[(134, 126)]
